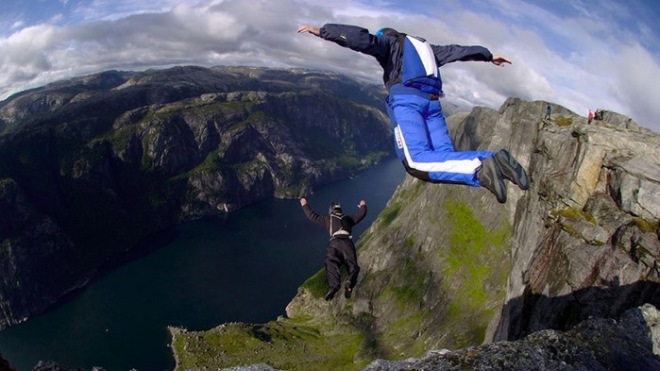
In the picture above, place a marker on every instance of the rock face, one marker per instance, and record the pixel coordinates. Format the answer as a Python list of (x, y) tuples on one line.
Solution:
[(586, 238), (595, 344), (91, 166), (447, 267)]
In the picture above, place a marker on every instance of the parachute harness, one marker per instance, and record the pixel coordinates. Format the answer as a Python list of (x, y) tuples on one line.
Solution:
[(339, 228)]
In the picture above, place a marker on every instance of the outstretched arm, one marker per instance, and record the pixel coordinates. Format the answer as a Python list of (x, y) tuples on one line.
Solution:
[(352, 37), (362, 212), (312, 215), (452, 53)]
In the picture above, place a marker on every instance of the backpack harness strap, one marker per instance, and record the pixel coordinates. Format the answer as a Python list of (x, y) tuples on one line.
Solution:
[(340, 232)]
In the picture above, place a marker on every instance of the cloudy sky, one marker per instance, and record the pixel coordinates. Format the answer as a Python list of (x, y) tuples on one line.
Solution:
[(578, 53)]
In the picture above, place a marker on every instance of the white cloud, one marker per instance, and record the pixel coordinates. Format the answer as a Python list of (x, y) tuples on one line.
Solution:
[(25, 55), (580, 59), (633, 85), (18, 24)]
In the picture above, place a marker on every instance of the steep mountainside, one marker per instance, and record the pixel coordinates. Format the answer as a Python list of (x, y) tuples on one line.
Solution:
[(91, 166), (447, 267)]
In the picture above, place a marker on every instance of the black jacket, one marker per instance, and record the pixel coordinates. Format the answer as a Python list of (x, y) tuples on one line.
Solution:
[(324, 220)]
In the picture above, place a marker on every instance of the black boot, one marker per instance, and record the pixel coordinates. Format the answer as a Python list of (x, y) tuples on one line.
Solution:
[(490, 177), (511, 169), (348, 290), (331, 293)]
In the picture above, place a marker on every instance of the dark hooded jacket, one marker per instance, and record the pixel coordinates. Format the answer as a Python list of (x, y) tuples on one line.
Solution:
[(346, 222)]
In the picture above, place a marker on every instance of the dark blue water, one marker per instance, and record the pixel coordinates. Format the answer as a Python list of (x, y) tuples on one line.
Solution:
[(244, 267)]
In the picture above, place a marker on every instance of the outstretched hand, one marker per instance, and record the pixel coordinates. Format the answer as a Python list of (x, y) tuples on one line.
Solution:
[(500, 61), (362, 203), (303, 201), (311, 29)]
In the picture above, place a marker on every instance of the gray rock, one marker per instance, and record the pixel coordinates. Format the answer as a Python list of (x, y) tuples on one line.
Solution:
[(595, 344)]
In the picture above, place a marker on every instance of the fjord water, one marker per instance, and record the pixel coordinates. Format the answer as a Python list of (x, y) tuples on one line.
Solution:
[(243, 267)]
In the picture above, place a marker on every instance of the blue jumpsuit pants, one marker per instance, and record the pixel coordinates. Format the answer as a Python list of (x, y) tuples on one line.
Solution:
[(422, 139)]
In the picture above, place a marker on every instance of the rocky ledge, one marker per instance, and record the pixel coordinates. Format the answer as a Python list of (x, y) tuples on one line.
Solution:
[(631, 343)]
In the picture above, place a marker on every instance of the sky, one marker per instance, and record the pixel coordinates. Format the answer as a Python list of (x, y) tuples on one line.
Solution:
[(580, 54)]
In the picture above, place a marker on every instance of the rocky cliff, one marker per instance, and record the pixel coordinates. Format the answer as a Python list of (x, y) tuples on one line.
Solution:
[(447, 267), (92, 167), (630, 343), (587, 244)]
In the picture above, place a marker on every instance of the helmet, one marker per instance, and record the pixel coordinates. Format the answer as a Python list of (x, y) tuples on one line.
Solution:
[(386, 31), (335, 207)]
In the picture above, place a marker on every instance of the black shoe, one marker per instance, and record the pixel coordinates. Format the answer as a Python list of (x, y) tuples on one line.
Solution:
[(347, 291), (511, 169), (489, 175), (331, 293)]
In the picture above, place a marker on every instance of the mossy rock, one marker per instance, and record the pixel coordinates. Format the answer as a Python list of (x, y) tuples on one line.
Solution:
[(283, 344)]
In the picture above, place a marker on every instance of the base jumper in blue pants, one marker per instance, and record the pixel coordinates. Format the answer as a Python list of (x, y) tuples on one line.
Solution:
[(412, 77)]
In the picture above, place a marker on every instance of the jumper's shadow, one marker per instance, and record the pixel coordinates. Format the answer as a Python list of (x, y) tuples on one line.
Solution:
[(532, 312)]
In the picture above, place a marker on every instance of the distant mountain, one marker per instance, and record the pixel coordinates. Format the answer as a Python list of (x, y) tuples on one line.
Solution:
[(91, 166), (450, 109)]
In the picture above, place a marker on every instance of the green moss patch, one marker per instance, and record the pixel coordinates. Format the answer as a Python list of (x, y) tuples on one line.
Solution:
[(389, 214), (646, 226), (316, 284), (563, 121), (573, 214), (475, 286), (284, 344)]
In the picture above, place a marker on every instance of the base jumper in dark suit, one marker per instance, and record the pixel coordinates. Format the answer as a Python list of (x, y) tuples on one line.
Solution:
[(341, 249)]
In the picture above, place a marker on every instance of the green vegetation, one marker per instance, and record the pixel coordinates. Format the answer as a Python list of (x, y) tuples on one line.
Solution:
[(316, 284), (389, 213), (249, 167), (284, 344), (364, 239), (472, 253), (209, 165), (563, 121), (119, 139), (409, 294), (401, 329), (646, 226), (573, 214), (402, 333), (572, 231)]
